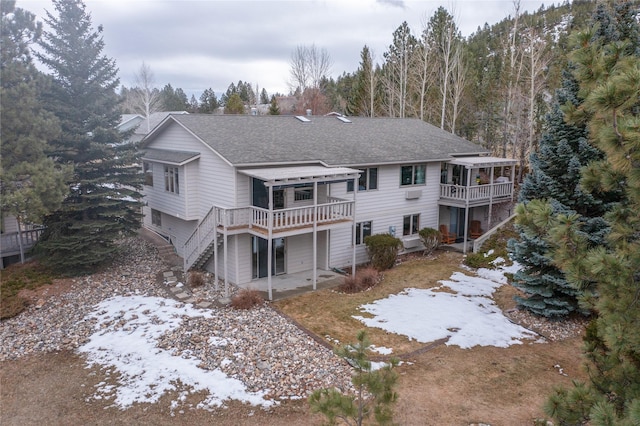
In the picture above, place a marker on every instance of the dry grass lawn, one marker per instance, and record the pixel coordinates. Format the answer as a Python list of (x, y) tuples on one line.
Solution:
[(448, 385)]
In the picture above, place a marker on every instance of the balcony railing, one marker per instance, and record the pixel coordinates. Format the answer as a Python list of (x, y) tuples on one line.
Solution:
[(256, 218), (10, 242), (476, 193)]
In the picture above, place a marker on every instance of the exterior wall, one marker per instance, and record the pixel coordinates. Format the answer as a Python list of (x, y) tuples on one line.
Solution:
[(9, 224), (299, 253), (211, 180), (171, 203), (386, 208), (238, 267)]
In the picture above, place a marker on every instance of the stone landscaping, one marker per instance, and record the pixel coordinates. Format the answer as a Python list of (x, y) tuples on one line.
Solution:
[(260, 347)]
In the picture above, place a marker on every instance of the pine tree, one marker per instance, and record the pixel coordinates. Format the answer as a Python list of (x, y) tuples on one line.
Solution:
[(173, 99), (103, 204), (555, 177), (374, 389), (234, 105), (31, 184), (274, 109), (608, 70)]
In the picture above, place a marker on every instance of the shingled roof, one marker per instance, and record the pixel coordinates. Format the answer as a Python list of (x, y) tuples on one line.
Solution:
[(246, 140)]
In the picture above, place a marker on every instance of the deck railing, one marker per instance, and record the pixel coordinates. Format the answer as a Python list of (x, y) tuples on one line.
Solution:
[(10, 242), (477, 192), (258, 218)]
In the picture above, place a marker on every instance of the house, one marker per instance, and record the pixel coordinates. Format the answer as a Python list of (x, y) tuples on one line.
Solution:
[(237, 193), (141, 125)]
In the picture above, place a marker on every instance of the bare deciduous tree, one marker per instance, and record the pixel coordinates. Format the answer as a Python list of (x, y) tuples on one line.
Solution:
[(458, 81), (145, 97), (309, 65)]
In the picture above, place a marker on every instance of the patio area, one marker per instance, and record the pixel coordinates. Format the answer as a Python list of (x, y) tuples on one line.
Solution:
[(288, 285)]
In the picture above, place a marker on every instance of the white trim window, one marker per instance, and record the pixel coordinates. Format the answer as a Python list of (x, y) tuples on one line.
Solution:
[(171, 181), (413, 175), (363, 229), (411, 224), (367, 181), (301, 194)]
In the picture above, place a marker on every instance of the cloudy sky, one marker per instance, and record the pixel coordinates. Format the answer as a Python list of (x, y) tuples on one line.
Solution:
[(200, 44)]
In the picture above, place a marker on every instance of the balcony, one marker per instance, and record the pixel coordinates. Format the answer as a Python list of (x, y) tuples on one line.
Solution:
[(258, 219), (476, 195), (261, 222)]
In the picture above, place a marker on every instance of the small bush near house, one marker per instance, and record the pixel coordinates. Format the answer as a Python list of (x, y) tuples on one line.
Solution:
[(196, 279), (383, 250), (246, 299), (430, 239), (361, 281)]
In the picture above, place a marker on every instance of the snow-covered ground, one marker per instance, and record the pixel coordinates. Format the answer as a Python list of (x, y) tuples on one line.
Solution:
[(460, 309), (128, 329)]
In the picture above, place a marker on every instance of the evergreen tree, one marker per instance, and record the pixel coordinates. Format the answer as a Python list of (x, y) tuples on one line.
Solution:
[(374, 389), (208, 102), (193, 104), (608, 71), (103, 204), (31, 184), (173, 99), (274, 109), (264, 97), (555, 177), (234, 105)]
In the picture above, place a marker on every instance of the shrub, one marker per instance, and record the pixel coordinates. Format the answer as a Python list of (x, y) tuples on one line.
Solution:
[(430, 239), (361, 281), (196, 279), (383, 250), (246, 299)]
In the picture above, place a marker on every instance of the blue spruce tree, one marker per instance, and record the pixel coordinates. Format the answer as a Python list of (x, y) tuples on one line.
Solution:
[(551, 188)]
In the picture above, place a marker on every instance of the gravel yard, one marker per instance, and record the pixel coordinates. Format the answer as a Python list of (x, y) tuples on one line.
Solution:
[(259, 347)]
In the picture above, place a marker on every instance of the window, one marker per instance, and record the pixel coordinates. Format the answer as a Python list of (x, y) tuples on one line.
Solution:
[(411, 224), (413, 175), (303, 194), (148, 173), (156, 217), (363, 229), (171, 182), (368, 180)]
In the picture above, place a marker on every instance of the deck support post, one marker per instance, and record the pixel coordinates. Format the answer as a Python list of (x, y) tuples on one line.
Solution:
[(216, 283), (466, 212), (353, 233), (315, 234), (270, 242)]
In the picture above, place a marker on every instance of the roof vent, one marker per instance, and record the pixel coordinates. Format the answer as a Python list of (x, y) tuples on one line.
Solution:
[(303, 118), (254, 111), (343, 119), (309, 113)]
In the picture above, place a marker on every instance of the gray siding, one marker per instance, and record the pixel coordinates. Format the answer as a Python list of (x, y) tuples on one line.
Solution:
[(385, 208)]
